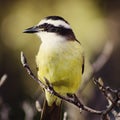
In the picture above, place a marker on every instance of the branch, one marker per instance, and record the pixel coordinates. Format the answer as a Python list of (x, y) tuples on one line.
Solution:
[(104, 57), (70, 98), (112, 96), (3, 79)]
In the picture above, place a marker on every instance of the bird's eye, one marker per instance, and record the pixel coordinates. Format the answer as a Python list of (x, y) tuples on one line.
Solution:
[(43, 25), (49, 27)]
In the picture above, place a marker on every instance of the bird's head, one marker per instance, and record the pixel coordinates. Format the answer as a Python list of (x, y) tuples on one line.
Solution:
[(52, 27)]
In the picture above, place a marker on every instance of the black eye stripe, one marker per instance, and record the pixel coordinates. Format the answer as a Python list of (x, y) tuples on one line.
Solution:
[(51, 28), (61, 30), (43, 25)]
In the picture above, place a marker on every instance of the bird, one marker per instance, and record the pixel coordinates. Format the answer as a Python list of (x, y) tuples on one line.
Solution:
[(60, 60)]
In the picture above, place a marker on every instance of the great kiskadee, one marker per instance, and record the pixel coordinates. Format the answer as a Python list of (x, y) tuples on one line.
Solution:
[(60, 60)]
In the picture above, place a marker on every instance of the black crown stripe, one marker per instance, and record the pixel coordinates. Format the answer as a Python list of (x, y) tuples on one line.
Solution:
[(56, 18)]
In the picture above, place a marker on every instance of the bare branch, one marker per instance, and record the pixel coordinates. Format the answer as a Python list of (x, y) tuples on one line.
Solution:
[(26, 66), (104, 57), (3, 79), (65, 116), (38, 106), (111, 95)]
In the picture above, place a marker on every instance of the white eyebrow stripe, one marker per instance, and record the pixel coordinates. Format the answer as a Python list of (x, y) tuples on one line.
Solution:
[(55, 23)]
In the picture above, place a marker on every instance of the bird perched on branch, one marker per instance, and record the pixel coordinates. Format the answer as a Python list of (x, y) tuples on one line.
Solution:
[(60, 60)]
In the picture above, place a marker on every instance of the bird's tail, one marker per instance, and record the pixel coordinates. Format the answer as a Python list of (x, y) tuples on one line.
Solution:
[(51, 112)]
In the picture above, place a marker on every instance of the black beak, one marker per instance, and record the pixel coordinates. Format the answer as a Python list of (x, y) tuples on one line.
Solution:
[(33, 29)]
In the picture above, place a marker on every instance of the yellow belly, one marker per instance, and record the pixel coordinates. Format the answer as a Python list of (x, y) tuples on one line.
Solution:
[(62, 66)]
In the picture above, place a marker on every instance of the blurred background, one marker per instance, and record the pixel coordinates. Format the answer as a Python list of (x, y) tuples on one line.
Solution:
[(94, 22)]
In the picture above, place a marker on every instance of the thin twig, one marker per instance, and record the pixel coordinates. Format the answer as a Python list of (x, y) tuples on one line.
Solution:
[(104, 57), (26, 66), (65, 116), (111, 95), (3, 79), (104, 90)]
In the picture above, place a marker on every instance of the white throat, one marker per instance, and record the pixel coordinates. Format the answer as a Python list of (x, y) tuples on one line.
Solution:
[(47, 37), (51, 41)]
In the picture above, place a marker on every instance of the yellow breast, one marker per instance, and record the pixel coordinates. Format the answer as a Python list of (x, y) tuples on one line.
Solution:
[(61, 65)]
